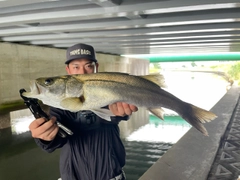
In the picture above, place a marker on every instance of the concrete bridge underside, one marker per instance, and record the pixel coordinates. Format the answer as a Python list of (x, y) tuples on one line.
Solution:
[(191, 158)]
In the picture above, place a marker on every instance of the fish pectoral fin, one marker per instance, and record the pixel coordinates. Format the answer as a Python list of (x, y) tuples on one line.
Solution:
[(103, 113), (157, 79), (159, 112), (72, 104)]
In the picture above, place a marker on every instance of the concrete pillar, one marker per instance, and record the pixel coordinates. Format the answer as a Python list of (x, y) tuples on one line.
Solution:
[(21, 63)]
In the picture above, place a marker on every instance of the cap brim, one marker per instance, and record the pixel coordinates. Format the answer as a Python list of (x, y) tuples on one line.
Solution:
[(69, 60)]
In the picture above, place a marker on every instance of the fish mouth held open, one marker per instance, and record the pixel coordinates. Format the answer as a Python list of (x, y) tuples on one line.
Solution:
[(35, 90), (101, 89)]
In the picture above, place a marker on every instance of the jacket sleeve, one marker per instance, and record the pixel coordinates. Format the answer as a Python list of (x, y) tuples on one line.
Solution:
[(50, 146), (57, 142)]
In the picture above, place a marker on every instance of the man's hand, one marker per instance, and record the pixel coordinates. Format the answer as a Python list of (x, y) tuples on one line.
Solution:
[(122, 109), (44, 130)]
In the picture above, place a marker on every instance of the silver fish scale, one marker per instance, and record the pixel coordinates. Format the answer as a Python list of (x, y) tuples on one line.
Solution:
[(110, 92), (130, 80)]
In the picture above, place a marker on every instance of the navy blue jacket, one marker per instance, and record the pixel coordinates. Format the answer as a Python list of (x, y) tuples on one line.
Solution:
[(93, 152)]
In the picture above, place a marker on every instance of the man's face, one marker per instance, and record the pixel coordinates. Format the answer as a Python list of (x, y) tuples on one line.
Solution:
[(81, 66)]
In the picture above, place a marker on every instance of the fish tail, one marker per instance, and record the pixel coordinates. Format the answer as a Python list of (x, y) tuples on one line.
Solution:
[(197, 116)]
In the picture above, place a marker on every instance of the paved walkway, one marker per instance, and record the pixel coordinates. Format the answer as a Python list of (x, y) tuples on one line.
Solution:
[(226, 165)]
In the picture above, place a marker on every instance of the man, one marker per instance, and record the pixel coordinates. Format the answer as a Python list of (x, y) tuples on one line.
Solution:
[(95, 150)]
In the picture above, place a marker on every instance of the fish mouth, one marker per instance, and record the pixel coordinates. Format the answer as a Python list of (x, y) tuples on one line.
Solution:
[(34, 90)]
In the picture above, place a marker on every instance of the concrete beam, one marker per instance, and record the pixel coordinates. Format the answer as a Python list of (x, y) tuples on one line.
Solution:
[(171, 31), (106, 3), (37, 6), (208, 18), (118, 11)]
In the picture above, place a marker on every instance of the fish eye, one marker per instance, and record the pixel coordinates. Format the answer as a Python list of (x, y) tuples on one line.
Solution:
[(48, 81)]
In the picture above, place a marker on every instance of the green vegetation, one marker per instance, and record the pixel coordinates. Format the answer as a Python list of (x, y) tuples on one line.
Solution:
[(193, 64), (7, 107), (232, 69), (17, 105), (154, 67), (229, 70)]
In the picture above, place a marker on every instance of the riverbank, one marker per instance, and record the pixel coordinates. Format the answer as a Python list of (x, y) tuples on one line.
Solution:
[(11, 106), (6, 108)]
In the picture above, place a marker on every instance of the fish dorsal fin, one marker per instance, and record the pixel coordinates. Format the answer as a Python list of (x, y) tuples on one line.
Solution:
[(73, 104), (159, 112), (113, 73), (156, 78)]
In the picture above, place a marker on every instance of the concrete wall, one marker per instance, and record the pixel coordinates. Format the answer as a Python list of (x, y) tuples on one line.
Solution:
[(121, 64), (137, 120), (21, 63)]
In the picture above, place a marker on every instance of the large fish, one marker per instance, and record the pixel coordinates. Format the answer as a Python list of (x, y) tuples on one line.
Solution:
[(93, 91)]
